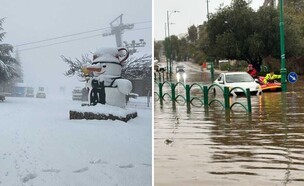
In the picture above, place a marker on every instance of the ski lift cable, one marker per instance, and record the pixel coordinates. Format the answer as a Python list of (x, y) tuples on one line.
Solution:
[(69, 35), (54, 38), (67, 41)]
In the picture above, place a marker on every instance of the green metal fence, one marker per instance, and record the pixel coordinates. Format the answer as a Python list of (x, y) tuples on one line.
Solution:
[(205, 100)]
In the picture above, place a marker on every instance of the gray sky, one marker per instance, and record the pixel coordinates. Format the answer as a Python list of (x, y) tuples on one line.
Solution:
[(191, 12), (35, 20)]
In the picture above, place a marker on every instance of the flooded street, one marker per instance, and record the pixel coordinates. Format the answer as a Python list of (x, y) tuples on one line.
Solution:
[(213, 147)]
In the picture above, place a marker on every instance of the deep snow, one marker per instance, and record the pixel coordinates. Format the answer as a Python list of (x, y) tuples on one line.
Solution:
[(41, 146)]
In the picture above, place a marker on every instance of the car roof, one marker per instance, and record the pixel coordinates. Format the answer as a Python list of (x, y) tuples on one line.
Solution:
[(231, 73)]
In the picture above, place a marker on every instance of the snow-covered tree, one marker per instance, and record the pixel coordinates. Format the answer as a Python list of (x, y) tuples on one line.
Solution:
[(75, 67), (9, 66), (138, 68)]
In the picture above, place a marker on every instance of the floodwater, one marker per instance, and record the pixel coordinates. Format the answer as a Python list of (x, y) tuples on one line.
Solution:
[(214, 147)]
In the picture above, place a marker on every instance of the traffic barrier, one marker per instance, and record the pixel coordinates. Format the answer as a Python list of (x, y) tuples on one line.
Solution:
[(204, 100)]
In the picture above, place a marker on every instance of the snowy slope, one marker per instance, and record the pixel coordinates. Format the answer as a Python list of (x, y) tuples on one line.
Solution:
[(41, 146)]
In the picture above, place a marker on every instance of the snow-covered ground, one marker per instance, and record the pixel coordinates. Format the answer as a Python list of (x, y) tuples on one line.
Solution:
[(41, 146)]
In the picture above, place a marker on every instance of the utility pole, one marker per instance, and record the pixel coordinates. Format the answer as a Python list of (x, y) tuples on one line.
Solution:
[(170, 45), (169, 39), (282, 45), (118, 29), (165, 30)]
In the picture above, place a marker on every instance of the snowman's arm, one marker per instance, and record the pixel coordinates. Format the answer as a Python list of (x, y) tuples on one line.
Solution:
[(123, 85)]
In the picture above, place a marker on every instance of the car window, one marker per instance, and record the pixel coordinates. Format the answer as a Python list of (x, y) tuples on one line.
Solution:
[(236, 78)]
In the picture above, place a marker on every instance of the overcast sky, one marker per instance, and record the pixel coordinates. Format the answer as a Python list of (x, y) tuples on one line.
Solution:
[(35, 20), (191, 12)]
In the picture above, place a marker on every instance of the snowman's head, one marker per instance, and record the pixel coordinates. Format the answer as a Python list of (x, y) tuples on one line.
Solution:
[(108, 61)]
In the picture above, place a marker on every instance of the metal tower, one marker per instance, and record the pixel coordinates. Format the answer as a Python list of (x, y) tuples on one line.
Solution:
[(132, 46), (117, 28)]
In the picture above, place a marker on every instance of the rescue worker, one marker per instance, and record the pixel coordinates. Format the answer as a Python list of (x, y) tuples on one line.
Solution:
[(270, 77), (252, 71)]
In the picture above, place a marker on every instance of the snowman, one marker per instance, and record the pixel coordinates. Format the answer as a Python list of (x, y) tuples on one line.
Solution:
[(107, 86)]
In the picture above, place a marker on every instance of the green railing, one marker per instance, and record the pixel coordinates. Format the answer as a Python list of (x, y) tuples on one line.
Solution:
[(159, 76), (204, 100)]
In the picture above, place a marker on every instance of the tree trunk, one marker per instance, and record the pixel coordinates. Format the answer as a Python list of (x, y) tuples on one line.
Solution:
[(256, 62)]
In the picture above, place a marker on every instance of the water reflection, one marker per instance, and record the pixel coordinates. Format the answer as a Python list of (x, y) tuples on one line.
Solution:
[(265, 147)]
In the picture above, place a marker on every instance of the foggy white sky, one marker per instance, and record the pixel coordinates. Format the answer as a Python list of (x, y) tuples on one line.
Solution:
[(191, 12), (34, 20)]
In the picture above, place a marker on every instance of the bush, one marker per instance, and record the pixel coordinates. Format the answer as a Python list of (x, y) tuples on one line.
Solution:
[(225, 67), (293, 64)]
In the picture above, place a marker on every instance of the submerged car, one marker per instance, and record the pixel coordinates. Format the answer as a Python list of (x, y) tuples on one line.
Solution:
[(180, 73), (238, 79)]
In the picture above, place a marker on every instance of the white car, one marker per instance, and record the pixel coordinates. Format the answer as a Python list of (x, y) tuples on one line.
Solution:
[(40, 93), (238, 79), (180, 73)]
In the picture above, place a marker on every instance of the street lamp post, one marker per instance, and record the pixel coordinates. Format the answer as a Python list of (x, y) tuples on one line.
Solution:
[(208, 10), (166, 51), (282, 45), (165, 30), (170, 45)]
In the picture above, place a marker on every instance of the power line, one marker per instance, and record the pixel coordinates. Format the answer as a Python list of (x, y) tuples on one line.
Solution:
[(79, 33), (67, 41)]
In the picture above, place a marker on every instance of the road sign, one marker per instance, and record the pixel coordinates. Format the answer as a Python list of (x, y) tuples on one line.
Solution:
[(292, 77)]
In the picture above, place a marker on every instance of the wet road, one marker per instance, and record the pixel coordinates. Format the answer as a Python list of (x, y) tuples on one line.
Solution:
[(236, 148)]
